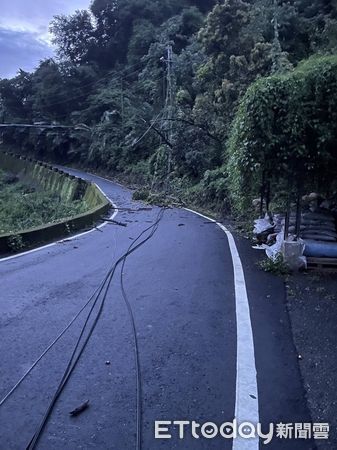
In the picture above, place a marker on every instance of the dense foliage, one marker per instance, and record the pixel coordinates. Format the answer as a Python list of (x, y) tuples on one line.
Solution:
[(286, 129), (111, 75)]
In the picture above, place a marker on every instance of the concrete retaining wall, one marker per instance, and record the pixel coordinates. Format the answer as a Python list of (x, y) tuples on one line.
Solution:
[(67, 187)]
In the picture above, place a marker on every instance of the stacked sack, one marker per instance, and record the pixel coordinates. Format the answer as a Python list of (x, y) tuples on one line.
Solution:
[(314, 226), (318, 223), (318, 226)]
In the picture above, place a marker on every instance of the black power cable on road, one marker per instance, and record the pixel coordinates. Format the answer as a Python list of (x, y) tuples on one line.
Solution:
[(79, 348)]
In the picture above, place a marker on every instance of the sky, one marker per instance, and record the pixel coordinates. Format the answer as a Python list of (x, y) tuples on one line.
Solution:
[(24, 38)]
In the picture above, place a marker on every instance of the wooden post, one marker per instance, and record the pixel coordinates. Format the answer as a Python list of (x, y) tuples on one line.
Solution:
[(263, 187), (298, 211), (288, 211)]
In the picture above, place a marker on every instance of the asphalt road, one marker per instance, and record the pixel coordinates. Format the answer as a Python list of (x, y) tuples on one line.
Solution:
[(181, 288)]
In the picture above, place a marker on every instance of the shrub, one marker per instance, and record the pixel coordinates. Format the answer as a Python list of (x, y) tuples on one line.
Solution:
[(276, 266)]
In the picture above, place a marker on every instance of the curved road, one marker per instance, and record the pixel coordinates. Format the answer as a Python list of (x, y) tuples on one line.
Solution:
[(185, 293)]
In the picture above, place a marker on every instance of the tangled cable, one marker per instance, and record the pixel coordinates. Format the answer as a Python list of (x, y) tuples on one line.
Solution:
[(85, 334)]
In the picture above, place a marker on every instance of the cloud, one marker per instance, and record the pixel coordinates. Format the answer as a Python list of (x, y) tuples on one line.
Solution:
[(24, 39), (34, 14), (21, 50)]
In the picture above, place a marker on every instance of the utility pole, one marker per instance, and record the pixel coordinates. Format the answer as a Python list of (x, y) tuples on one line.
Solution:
[(276, 25), (122, 103), (169, 104)]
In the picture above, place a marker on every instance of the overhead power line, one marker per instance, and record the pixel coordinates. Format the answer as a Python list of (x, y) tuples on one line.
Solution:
[(154, 121), (25, 125), (79, 127), (86, 93), (126, 95), (107, 76)]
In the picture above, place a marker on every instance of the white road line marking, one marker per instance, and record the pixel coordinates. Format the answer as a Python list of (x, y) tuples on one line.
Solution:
[(97, 176), (105, 179), (71, 238), (246, 406)]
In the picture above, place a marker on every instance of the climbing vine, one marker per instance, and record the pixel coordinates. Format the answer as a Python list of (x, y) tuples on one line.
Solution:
[(285, 128)]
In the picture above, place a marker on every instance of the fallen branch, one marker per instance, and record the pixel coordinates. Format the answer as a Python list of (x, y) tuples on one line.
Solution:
[(80, 409), (115, 222)]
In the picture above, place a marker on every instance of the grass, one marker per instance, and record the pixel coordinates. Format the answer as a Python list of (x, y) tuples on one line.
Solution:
[(23, 206)]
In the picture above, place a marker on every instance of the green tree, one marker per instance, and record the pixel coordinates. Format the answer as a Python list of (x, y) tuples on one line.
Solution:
[(74, 37)]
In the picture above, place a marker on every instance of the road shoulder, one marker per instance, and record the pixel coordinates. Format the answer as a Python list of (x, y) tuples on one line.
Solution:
[(312, 306)]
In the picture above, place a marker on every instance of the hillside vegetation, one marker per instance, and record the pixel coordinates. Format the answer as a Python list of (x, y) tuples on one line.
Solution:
[(22, 206), (239, 104)]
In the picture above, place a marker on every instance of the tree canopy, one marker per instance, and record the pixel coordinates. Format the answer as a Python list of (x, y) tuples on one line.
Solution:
[(237, 76)]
